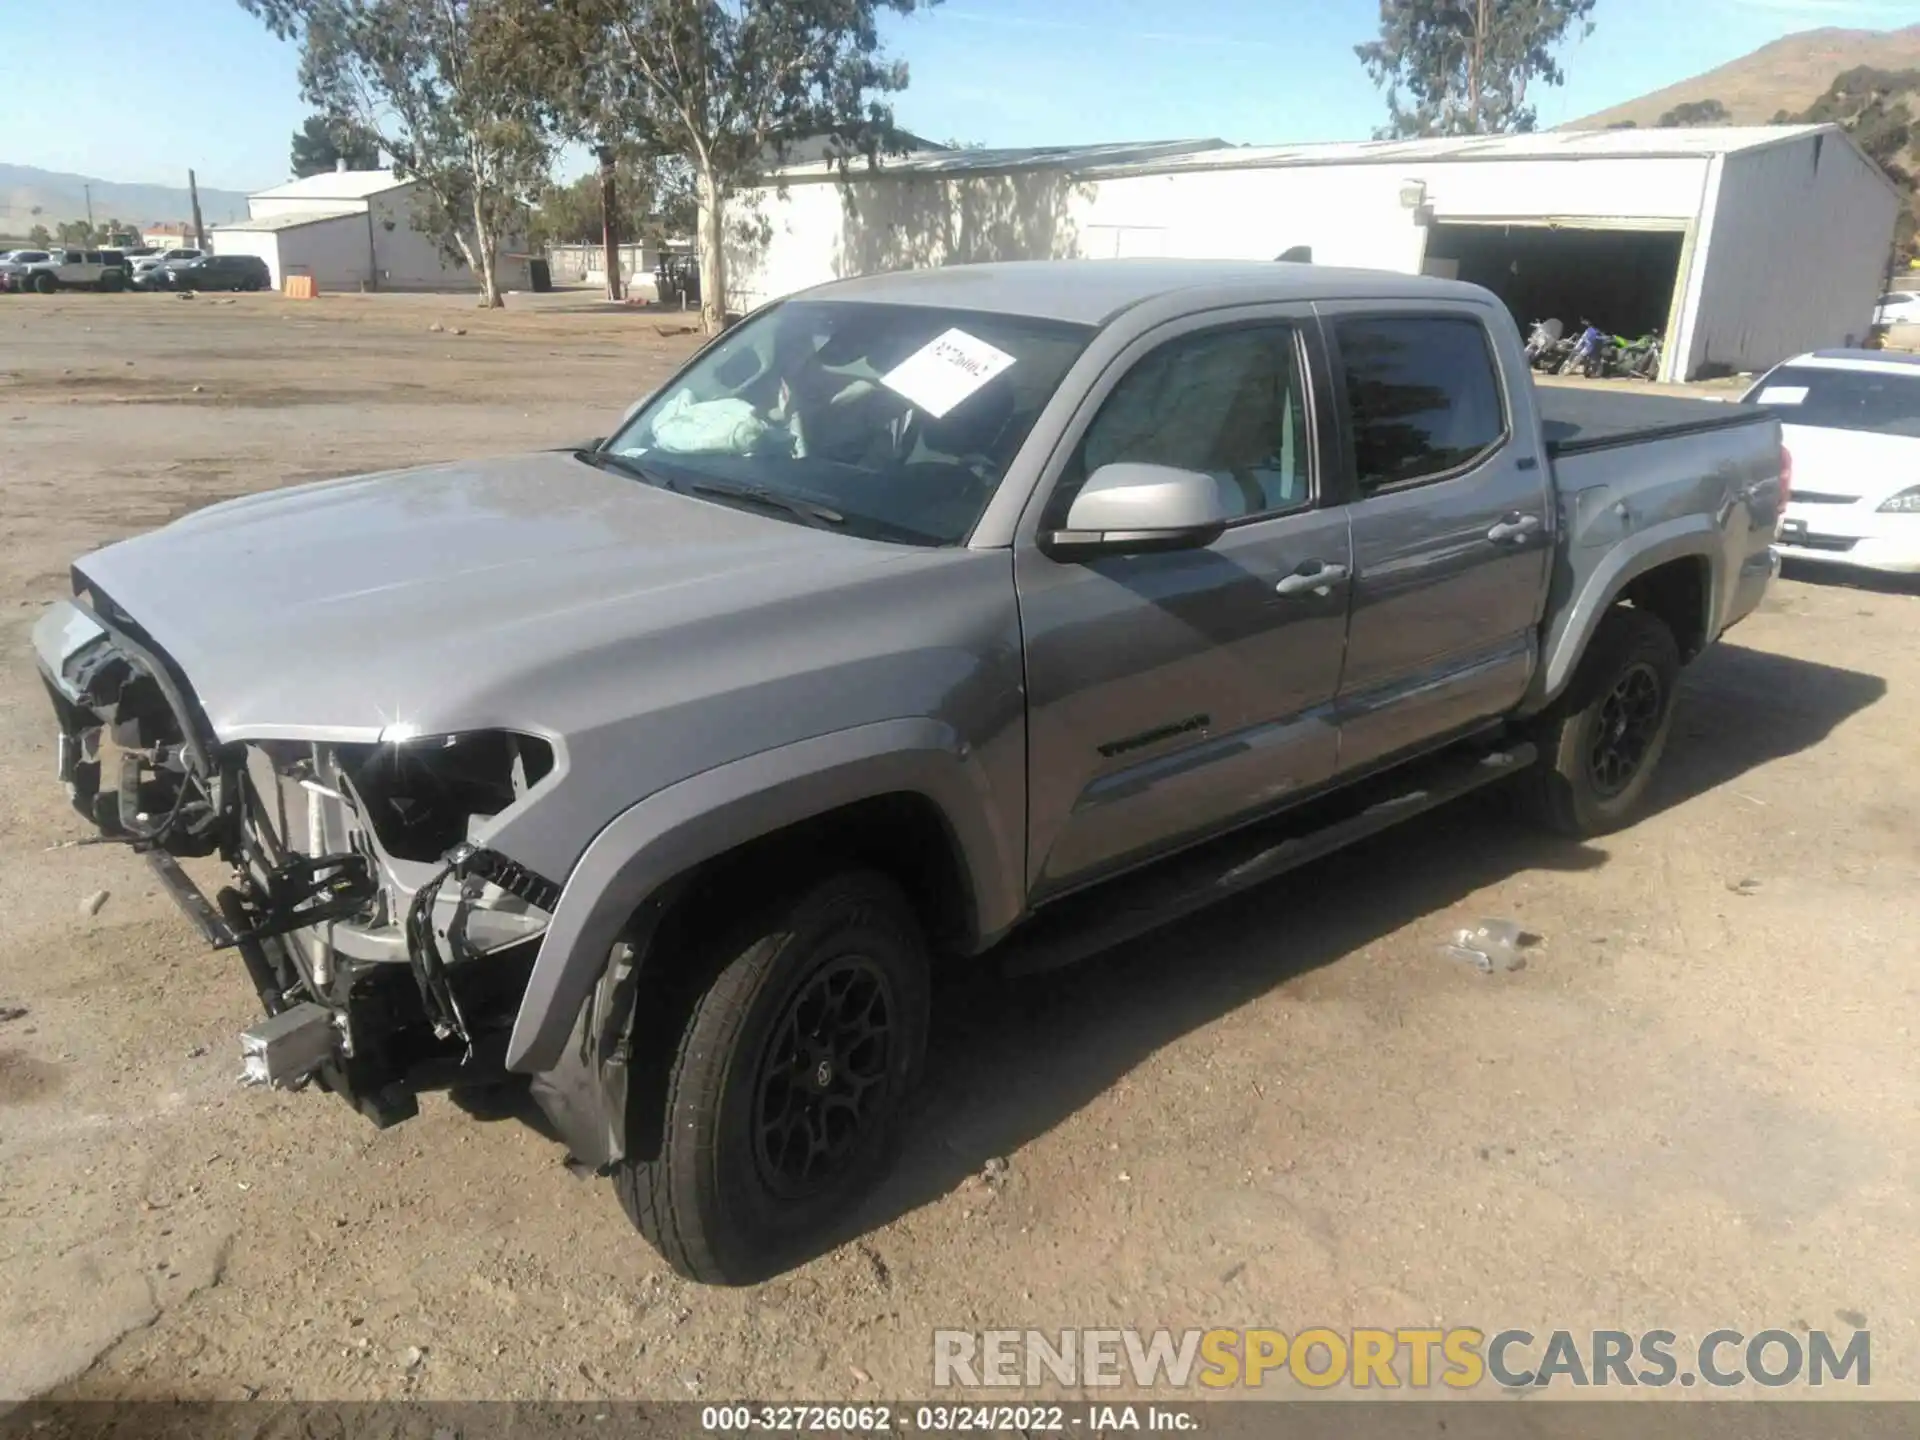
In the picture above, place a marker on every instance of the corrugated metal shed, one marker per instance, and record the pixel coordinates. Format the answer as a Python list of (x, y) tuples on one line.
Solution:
[(1740, 244)]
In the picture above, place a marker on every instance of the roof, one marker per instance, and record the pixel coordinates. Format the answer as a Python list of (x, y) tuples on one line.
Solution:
[(1171, 156), (335, 185), (1030, 157), (1090, 292), (291, 221), (1893, 362)]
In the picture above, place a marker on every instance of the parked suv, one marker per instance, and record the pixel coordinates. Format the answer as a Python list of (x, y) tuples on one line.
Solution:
[(209, 272), (66, 269)]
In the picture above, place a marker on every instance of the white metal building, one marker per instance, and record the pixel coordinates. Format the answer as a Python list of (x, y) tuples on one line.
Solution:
[(1742, 246), (350, 230)]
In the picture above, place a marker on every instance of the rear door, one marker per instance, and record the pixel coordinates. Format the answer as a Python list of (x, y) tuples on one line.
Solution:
[(1171, 695), (1452, 524)]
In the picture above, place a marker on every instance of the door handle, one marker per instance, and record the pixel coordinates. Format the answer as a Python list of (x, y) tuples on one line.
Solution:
[(1513, 527), (1320, 580)]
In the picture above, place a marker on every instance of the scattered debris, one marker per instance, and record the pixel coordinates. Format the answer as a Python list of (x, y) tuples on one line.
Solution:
[(436, 328), (1743, 887), (416, 1357), (1492, 945), (860, 1377), (196, 1052), (1125, 1177), (691, 1380), (91, 905), (199, 389), (458, 331), (12, 1012), (995, 1172), (1852, 1317), (1233, 1272)]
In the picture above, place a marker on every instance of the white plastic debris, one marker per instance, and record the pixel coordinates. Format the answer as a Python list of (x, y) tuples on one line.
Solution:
[(1492, 945)]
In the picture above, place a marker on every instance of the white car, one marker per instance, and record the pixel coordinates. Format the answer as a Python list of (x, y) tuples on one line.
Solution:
[(165, 257), (1898, 307), (1851, 423)]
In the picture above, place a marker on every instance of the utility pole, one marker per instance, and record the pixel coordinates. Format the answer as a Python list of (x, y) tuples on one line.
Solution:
[(199, 228), (89, 190), (609, 219)]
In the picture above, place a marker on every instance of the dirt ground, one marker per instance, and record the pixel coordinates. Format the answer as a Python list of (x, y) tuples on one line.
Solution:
[(1696, 1106)]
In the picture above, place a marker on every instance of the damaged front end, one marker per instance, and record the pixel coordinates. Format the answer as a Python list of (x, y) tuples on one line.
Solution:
[(389, 945)]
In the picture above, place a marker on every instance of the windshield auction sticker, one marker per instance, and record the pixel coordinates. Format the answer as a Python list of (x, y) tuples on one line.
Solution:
[(945, 371)]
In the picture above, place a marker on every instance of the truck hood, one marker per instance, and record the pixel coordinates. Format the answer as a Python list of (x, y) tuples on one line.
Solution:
[(1857, 464), (430, 598)]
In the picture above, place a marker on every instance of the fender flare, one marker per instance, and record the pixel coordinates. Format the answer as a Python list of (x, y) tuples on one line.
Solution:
[(1689, 537), (713, 812)]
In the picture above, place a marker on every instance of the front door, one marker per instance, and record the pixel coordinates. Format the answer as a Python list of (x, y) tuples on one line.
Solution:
[(1452, 528), (1171, 694)]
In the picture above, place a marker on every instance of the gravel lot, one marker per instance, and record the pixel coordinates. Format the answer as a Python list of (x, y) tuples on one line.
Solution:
[(1695, 1106)]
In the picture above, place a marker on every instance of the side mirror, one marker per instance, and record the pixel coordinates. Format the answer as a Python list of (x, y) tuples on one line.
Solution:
[(1131, 509)]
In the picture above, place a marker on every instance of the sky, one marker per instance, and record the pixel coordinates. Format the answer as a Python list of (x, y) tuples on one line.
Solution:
[(142, 92)]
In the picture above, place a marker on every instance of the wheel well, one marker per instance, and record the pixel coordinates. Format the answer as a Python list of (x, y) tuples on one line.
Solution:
[(1675, 594), (902, 835)]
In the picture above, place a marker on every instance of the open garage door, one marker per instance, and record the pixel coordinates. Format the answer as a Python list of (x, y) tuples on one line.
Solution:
[(1624, 281)]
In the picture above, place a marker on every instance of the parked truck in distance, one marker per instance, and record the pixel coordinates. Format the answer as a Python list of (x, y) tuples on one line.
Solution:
[(994, 612)]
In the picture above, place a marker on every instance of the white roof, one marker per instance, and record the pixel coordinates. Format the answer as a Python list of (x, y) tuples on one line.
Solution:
[(335, 185), (291, 221), (1172, 156)]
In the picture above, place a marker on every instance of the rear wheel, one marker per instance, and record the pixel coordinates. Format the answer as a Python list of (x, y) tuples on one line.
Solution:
[(786, 1090), (45, 283), (1601, 743), (113, 280)]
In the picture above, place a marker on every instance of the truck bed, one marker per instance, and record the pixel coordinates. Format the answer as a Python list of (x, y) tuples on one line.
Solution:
[(1577, 420)]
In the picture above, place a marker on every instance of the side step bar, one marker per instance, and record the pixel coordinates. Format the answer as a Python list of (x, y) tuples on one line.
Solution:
[(1077, 928)]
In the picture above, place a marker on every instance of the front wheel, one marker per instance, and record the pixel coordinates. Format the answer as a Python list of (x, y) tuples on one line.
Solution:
[(1602, 741), (45, 283), (786, 1090)]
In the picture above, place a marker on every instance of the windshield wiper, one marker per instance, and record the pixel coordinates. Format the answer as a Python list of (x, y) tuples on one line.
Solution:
[(805, 511), (818, 516), (621, 465)]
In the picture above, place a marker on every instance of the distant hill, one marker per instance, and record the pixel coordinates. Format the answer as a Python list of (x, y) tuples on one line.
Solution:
[(1790, 74), (1867, 80), (30, 197)]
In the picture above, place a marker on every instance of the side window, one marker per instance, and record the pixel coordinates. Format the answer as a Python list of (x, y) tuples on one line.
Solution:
[(1229, 403), (1422, 393)]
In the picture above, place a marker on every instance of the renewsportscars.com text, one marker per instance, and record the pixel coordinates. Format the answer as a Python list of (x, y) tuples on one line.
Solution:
[(1460, 1358)]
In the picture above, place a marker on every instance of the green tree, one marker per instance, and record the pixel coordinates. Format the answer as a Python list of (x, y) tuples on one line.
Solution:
[(323, 141), (1463, 67), (1695, 112), (74, 232), (443, 87), (655, 202), (724, 86), (39, 238)]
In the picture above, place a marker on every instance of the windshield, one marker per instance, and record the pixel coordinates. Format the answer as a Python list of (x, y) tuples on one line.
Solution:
[(899, 421), (1881, 402)]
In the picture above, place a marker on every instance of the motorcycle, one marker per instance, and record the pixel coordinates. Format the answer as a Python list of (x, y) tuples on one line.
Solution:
[(1544, 339), (1589, 352), (1639, 359)]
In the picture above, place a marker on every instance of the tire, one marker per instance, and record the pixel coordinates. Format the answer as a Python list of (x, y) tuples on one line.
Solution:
[(730, 1199), (1620, 701), (113, 281), (45, 284)]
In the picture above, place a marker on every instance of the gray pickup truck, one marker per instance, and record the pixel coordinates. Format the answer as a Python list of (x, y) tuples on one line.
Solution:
[(911, 613)]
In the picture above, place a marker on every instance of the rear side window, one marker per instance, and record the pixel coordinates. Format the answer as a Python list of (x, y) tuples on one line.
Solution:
[(1423, 396)]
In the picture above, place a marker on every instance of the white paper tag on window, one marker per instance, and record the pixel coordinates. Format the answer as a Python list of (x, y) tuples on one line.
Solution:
[(945, 371), (1783, 395)]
